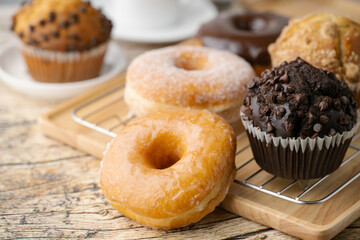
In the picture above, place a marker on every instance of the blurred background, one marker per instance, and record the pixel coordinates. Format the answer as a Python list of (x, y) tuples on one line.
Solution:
[(348, 8)]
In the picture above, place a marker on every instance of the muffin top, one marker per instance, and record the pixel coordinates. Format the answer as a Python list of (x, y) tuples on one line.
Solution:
[(324, 40), (297, 99), (61, 25)]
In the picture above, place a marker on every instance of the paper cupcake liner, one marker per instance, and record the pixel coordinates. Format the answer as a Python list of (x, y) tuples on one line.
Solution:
[(57, 67), (297, 158)]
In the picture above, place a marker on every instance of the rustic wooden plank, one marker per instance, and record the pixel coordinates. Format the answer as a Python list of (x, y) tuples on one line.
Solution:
[(59, 197), (62, 199)]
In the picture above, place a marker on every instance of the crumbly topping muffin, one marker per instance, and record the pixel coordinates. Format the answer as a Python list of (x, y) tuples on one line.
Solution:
[(299, 100), (325, 41), (61, 25)]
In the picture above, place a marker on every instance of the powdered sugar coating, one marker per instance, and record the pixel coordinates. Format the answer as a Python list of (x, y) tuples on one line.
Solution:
[(219, 77)]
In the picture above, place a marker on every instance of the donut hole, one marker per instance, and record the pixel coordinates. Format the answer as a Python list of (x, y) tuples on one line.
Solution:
[(164, 151), (191, 62), (248, 23)]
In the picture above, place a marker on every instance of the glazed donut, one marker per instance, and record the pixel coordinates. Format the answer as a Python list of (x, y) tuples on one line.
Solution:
[(169, 168), (246, 34), (188, 76)]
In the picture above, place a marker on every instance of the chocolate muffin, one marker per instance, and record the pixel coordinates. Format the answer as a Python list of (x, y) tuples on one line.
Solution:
[(300, 120), (62, 41)]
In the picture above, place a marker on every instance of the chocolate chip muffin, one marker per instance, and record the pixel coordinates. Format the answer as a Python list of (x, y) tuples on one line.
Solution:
[(299, 119), (62, 41)]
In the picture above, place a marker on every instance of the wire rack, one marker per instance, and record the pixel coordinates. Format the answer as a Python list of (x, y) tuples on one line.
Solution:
[(107, 113)]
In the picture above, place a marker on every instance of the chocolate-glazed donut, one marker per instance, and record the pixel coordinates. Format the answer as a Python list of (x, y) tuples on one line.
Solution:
[(246, 34)]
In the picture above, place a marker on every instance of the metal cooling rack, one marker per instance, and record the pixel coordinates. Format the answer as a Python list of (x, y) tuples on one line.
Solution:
[(83, 117)]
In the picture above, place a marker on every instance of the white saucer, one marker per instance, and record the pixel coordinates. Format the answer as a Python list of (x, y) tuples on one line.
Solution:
[(193, 14), (14, 73)]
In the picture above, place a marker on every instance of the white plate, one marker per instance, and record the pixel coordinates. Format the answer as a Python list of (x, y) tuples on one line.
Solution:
[(193, 14), (14, 73)]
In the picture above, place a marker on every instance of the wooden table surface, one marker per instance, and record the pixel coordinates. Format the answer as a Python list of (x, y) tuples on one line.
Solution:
[(51, 190)]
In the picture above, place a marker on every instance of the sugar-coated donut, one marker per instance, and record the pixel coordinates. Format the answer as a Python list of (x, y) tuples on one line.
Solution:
[(188, 76), (169, 168)]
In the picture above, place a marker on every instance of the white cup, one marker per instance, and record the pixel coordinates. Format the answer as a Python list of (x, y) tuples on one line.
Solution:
[(145, 14)]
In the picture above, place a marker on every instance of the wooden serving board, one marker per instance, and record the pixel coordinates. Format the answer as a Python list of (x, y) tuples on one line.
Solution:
[(315, 221)]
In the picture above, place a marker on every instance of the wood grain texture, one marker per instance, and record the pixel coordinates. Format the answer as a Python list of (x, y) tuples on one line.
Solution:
[(49, 190)]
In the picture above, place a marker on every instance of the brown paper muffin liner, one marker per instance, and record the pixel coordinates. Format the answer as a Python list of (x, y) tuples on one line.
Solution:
[(297, 158), (60, 67)]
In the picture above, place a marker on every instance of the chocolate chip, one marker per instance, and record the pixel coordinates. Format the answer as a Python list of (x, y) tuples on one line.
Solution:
[(64, 24), (299, 60), (45, 37), (301, 114), (246, 110), (271, 98), (280, 72), (343, 120), (272, 74), (82, 9), (55, 34), (317, 127), (250, 85), (270, 82), (324, 119), (332, 132), (270, 128), (337, 104), (299, 98), (264, 110), (74, 37), (345, 100), (75, 17), (290, 89), (52, 16), (281, 97), (280, 112), (265, 74), (284, 63), (31, 28), (247, 101), (311, 118), (93, 42), (284, 78), (278, 87), (288, 126), (323, 105), (42, 22)]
